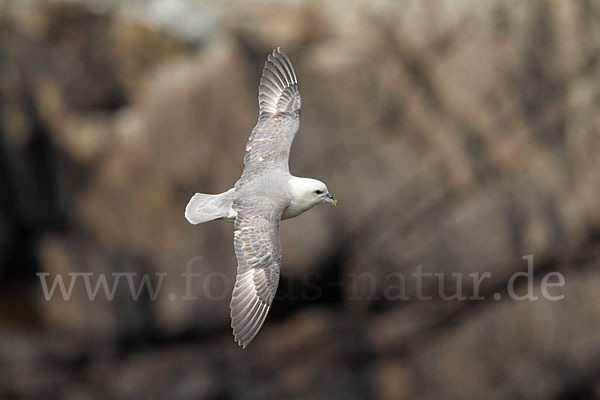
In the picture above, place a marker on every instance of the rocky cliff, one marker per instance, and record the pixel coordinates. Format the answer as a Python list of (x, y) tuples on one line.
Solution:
[(458, 136)]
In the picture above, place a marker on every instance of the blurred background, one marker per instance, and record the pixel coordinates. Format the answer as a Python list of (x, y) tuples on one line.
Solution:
[(458, 136)]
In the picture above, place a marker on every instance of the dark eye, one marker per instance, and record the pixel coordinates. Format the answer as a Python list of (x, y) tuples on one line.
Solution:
[(318, 192)]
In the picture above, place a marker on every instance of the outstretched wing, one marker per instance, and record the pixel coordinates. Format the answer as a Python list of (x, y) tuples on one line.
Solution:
[(258, 251), (279, 115), (256, 237)]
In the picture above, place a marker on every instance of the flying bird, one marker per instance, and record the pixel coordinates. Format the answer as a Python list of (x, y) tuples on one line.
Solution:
[(265, 194)]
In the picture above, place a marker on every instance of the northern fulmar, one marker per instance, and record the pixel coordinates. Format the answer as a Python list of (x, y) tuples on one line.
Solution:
[(265, 194)]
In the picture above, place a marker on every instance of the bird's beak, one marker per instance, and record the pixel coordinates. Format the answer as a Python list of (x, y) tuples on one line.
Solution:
[(331, 200)]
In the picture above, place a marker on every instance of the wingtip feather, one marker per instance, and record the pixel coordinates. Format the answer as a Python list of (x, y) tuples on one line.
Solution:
[(278, 90)]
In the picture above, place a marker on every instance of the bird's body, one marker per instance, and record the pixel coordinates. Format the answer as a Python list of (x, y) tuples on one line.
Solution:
[(265, 194), (223, 209)]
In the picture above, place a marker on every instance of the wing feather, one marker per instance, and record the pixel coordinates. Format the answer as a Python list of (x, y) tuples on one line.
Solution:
[(280, 104), (258, 251)]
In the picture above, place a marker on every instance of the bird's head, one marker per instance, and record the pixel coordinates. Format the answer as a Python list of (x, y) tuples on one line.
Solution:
[(317, 192)]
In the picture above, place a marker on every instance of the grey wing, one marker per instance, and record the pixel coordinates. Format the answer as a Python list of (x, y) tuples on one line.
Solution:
[(258, 251), (279, 115)]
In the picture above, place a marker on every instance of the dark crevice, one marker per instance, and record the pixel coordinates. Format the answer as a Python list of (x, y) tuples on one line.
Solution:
[(36, 207)]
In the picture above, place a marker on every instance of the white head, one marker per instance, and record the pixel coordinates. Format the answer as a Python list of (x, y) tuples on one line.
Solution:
[(311, 192)]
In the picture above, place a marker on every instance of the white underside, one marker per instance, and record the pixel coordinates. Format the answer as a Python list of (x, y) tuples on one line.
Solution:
[(293, 210)]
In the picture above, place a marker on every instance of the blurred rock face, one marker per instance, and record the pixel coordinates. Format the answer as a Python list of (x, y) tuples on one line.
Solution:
[(458, 137)]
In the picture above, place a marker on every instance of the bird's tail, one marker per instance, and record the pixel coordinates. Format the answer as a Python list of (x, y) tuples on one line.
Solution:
[(207, 207)]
